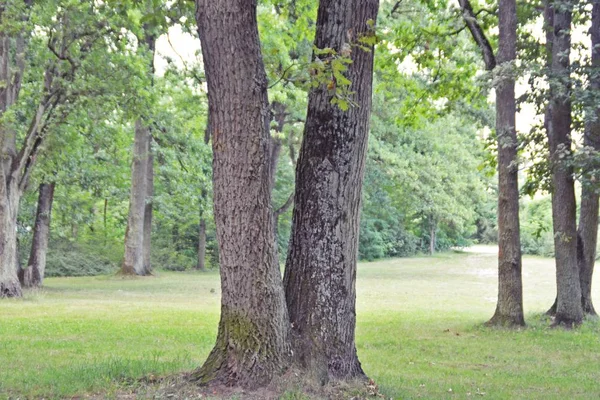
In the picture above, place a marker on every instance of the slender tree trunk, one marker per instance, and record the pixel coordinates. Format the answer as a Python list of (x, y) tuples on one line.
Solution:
[(587, 233), (201, 245), (432, 239), (201, 265), (569, 311), (146, 244), (133, 261), (509, 309), (33, 274), (252, 342), (320, 275)]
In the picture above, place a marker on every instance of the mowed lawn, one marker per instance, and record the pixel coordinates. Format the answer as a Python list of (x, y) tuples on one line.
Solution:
[(419, 333)]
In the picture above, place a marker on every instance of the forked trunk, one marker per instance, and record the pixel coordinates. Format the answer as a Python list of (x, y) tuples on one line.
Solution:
[(509, 309), (569, 311), (320, 275), (33, 274), (252, 343)]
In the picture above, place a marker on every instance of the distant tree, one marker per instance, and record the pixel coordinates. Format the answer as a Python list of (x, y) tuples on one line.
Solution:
[(320, 274), (252, 342), (33, 274)]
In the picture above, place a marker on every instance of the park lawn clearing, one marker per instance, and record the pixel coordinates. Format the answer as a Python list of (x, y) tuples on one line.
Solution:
[(419, 333)]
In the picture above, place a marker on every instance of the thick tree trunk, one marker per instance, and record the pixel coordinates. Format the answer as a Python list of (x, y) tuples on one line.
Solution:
[(587, 233), (252, 341), (133, 261), (33, 274), (320, 274), (509, 309), (569, 311)]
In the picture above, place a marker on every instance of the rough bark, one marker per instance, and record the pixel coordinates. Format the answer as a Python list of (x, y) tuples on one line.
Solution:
[(509, 309), (133, 259), (252, 342), (33, 274), (587, 232), (569, 311), (320, 274)]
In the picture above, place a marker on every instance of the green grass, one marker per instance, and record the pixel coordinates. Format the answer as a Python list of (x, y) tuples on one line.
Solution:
[(419, 333)]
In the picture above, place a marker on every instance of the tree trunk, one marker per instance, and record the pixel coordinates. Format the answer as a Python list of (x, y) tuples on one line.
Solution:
[(33, 274), (133, 261), (569, 311), (587, 233), (432, 230), (9, 205), (139, 221), (509, 309), (320, 274), (252, 342), (146, 244), (201, 245)]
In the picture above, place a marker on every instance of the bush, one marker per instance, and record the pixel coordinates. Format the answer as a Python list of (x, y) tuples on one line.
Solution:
[(70, 259)]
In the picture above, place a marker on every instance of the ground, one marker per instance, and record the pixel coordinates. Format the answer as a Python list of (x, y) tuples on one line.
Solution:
[(419, 333)]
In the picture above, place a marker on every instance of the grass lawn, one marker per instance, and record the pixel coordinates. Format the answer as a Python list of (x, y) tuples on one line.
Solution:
[(419, 333)]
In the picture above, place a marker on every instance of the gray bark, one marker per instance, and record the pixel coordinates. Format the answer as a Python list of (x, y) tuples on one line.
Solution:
[(587, 232), (133, 259), (33, 274), (136, 260), (509, 309), (320, 275), (252, 343), (146, 244), (569, 311)]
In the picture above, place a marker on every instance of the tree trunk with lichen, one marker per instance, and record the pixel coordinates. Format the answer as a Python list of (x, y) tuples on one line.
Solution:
[(33, 274), (320, 275), (252, 345), (509, 309)]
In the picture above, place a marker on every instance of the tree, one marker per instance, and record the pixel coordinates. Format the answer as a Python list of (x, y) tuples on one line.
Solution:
[(320, 271), (252, 342), (569, 310), (136, 260), (33, 274), (587, 232), (46, 65), (509, 309)]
